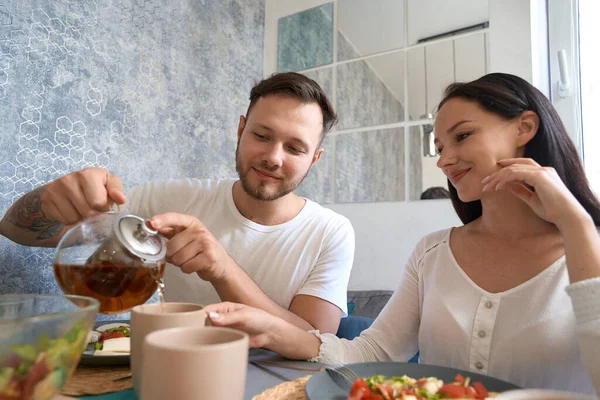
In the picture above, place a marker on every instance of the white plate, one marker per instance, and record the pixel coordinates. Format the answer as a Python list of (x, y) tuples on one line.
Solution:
[(88, 357), (542, 394)]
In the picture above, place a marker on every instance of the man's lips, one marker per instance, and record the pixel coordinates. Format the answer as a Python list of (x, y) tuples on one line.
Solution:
[(457, 175), (265, 175)]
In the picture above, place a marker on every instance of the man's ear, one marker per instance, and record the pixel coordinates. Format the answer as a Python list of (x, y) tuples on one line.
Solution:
[(528, 124), (241, 126), (317, 156)]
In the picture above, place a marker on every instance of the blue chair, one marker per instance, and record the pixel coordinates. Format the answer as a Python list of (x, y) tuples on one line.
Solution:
[(353, 325)]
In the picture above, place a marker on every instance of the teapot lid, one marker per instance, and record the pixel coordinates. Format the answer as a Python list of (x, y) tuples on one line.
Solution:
[(138, 238)]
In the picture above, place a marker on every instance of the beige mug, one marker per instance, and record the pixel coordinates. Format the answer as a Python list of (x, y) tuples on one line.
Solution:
[(148, 318), (195, 363)]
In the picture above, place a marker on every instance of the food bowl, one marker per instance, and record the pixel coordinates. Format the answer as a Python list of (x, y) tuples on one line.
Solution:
[(42, 338)]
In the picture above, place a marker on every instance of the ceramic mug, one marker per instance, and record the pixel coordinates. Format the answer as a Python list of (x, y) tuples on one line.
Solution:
[(195, 363), (148, 318)]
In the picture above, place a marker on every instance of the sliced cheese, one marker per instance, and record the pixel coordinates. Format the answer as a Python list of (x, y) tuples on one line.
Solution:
[(117, 345), (109, 353)]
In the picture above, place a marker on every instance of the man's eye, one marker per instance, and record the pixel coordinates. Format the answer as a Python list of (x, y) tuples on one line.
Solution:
[(259, 136)]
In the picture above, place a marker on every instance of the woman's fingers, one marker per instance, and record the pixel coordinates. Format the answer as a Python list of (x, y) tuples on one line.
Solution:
[(523, 174), (518, 161)]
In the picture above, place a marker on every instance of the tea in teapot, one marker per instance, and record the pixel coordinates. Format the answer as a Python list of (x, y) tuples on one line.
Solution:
[(115, 258)]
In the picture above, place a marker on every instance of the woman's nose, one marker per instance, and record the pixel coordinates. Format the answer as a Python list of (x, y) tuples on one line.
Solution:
[(447, 157)]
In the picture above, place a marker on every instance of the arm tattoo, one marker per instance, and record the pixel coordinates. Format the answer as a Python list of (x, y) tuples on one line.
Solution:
[(27, 214)]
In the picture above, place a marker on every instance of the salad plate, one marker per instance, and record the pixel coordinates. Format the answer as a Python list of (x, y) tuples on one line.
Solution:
[(89, 356), (321, 387)]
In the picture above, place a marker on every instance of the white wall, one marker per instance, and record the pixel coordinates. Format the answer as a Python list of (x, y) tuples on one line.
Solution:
[(431, 174), (518, 40), (386, 234)]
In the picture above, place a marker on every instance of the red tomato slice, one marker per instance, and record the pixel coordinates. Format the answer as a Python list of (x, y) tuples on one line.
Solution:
[(36, 373), (110, 335), (459, 379), (359, 388), (453, 391), (387, 392), (470, 392), (482, 392), (358, 394)]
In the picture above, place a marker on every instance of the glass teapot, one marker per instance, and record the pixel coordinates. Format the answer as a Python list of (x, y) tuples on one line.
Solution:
[(113, 257)]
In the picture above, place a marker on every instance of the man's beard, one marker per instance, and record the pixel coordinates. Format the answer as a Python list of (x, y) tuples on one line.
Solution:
[(285, 188)]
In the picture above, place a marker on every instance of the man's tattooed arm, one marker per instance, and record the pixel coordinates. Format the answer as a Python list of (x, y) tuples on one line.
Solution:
[(27, 214)]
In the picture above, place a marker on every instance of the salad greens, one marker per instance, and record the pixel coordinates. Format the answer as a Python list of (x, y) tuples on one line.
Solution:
[(38, 370)]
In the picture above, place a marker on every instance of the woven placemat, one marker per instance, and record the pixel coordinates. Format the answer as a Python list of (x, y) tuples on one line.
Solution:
[(97, 380), (292, 390)]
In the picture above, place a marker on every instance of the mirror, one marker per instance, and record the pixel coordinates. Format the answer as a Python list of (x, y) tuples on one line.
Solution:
[(305, 39), (369, 27), (391, 61), (370, 92), (426, 180), (369, 166)]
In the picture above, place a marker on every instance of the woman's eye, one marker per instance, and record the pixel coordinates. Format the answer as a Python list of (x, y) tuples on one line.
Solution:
[(438, 151), (462, 135)]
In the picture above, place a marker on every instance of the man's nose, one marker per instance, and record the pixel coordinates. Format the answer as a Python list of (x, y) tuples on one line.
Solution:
[(273, 156)]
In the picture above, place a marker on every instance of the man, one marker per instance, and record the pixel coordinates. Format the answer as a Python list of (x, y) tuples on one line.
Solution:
[(249, 241)]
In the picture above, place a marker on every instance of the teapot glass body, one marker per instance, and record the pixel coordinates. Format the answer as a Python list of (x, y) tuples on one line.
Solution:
[(112, 257)]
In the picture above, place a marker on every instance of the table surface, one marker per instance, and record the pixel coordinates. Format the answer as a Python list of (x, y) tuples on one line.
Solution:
[(263, 377), (259, 377)]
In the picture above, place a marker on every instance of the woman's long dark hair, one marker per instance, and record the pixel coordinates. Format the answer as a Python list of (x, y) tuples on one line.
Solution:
[(509, 96)]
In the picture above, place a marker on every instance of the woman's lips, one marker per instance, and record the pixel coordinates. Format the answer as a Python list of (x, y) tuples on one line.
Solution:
[(458, 175)]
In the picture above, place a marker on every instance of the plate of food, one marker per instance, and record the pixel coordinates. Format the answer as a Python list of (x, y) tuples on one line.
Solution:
[(392, 380), (108, 344)]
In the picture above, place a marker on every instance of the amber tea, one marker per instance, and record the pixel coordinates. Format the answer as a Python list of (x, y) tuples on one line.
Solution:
[(118, 288)]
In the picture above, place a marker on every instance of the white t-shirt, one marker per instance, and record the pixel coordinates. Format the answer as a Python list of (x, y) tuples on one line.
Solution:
[(527, 335), (312, 254)]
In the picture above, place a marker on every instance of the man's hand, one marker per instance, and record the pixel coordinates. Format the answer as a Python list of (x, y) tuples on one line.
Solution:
[(192, 247), (40, 217), (81, 195)]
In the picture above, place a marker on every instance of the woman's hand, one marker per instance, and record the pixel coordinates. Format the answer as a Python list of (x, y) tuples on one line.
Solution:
[(539, 187), (265, 330), (258, 324)]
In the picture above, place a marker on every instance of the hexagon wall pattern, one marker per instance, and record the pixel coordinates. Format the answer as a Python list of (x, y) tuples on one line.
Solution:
[(149, 89)]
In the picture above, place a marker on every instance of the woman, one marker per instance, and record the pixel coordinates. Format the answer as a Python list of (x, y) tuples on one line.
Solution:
[(514, 292)]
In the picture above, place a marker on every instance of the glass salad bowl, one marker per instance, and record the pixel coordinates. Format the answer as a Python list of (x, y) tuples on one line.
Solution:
[(42, 338)]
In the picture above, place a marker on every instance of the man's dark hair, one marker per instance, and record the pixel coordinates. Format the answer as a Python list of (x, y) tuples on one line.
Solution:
[(297, 86), (435, 192)]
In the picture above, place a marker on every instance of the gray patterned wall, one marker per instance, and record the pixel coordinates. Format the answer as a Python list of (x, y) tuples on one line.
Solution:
[(146, 88)]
